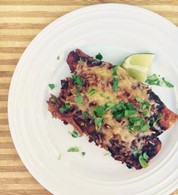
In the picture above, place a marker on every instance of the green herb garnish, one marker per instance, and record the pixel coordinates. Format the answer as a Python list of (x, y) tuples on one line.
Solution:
[(136, 151), (167, 83), (135, 123), (51, 86), (99, 111), (58, 57), (83, 153), (109, 105), (154, 121), (74, 134), (65, 108), (99, 56), (158, 80), (144, 127), (144, 103), (143, 160), (115, 84), (77, 80), (92, 91), (114, 72), (85, 115), (73, 149), (98, 122), (129, 113), (78, 99), (53, 100)]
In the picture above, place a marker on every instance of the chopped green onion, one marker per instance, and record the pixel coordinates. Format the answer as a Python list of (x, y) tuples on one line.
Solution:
[(51, 86), (83, 153), (99, 56), (77, 80), (58, 57), (73, 149)]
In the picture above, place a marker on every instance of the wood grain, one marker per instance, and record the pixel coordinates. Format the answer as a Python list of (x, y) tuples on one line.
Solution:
[(20, 22)]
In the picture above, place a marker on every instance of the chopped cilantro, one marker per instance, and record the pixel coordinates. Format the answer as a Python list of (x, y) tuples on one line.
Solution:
[(118, 114), (122, 109), (78, 99), (73, 149), (114, 73), (53, 100), (143, 160), (99, 111), (115, 84), (153, 80), (99, 56), (85, 115), (92, 91), (153, 120), (136, 151), (145, 104), (140, 100), (109, 105), (98, 122), (167, 83), (135, 123), (144, 127), (77, 80), (74, 134), (129, 113), (83, 153), (158, 80), (145, 156), (65, 108), (51, 86), (145, 112)]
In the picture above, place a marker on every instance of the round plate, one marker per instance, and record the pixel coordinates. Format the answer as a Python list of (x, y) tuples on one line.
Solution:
[(116, 31)]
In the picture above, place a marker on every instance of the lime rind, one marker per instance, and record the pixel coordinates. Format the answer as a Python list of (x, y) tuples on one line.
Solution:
[(138, 65)]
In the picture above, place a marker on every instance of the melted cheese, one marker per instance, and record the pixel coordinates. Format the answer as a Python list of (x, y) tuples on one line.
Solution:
[(100, 79)]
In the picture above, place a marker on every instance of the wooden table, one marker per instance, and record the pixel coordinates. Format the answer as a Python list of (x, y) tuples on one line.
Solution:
[(20, 22)]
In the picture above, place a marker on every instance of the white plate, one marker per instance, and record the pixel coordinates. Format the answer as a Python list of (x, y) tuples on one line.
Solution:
[(116, 31)]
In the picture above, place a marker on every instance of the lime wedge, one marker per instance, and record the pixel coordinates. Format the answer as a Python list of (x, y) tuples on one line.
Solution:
[(137, 65)]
